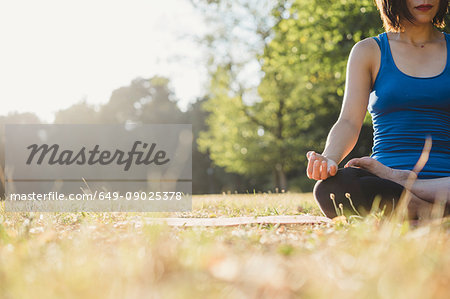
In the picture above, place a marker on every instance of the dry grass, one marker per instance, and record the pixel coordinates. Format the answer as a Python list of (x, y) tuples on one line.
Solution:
[(116, 255)]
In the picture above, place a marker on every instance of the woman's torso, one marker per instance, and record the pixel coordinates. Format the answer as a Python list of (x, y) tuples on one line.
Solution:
[(405, 110)]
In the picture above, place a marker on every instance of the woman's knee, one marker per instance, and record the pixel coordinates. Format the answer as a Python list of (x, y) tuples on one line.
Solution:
[(345, 181), (322, 191), (354, 192)]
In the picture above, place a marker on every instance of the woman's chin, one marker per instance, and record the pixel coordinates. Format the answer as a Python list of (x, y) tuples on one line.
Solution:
[(422, 20)]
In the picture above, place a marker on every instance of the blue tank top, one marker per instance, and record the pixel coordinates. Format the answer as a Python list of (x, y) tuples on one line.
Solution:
[(405, 110)]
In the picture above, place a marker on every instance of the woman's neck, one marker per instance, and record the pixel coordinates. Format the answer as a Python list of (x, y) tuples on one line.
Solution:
[(418, 34)]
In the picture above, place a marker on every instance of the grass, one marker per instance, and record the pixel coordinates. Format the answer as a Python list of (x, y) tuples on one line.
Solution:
[(117, 255)]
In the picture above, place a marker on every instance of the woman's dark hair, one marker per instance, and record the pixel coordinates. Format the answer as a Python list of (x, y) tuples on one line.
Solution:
[(392, 12)]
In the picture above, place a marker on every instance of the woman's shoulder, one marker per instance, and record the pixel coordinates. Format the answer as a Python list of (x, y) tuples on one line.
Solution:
[(369, 44), (366, 49)]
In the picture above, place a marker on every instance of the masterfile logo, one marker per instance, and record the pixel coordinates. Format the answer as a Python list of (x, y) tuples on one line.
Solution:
[(122, 165), (95, 156)]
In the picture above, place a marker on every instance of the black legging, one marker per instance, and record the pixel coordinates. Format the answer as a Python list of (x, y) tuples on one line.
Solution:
[(361, 188)]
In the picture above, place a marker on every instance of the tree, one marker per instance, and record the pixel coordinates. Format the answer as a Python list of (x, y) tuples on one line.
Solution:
[(79, 113), (239, 30), (143, 101), (208, 177), (160, 105), (300, 93)]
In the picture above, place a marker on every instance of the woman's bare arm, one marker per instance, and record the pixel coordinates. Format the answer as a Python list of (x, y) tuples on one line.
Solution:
[(345, 132)]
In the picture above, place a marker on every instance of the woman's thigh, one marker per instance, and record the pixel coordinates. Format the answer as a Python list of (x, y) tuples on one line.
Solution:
[(356, 188)]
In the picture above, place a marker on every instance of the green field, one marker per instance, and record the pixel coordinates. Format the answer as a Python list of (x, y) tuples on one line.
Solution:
[(117, 255)]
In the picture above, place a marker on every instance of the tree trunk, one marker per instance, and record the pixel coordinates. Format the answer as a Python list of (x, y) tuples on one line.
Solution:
[(280, 178)]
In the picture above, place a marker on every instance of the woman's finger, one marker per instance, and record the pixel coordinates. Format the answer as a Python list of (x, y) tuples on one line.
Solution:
[(333, 170), (312, 159), (316, 170), (309, 168), (324, 170), (308, 154)]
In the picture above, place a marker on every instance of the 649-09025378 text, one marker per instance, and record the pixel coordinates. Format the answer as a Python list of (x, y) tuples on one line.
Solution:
[(102, 196)]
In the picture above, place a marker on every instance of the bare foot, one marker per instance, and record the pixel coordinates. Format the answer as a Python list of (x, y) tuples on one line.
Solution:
[(370, 164)]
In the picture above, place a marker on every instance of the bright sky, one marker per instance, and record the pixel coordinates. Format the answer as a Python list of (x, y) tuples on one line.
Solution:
[(55, 53)]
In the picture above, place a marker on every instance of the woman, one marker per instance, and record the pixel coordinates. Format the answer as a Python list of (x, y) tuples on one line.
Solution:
[(402, 77)]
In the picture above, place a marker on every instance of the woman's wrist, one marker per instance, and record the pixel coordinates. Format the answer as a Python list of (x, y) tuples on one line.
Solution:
[(331, 157)]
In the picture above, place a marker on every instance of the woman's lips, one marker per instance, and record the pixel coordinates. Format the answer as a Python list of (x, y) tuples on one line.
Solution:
[(424, 7)]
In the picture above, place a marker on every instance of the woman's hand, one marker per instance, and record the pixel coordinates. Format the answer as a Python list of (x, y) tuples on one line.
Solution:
[(320, 167)]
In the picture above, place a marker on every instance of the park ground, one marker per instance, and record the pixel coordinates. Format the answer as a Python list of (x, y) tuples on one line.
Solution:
[(121, 255)]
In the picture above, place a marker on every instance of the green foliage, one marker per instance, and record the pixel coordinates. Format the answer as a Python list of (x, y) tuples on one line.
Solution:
[(231, 139), (207, 176), (300, 94), (305, 65)]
